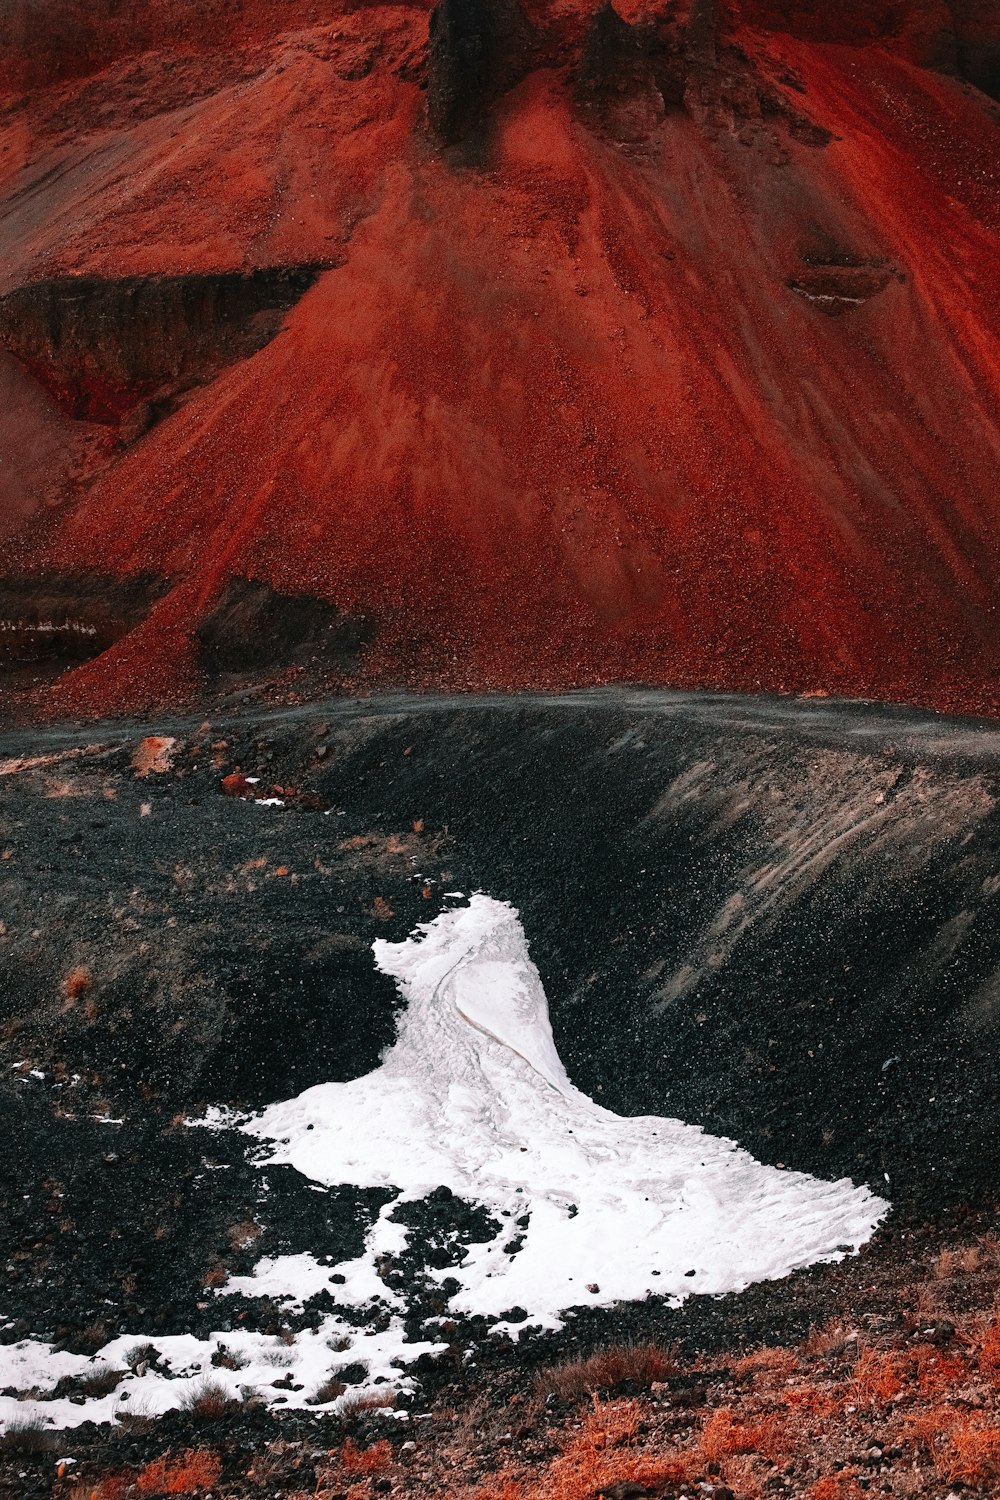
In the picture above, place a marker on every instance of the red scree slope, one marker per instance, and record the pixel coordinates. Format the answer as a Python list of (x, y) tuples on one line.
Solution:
[(704, 393)]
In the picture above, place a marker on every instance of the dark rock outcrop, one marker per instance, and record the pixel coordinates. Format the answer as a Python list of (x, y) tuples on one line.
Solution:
[(977, 43), (475, 46), (253, 628), (702, 33), (104, 346), (52, 621), (627, 75)]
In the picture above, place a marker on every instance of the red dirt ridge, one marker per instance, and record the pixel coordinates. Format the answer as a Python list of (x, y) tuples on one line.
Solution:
[(679, 364)]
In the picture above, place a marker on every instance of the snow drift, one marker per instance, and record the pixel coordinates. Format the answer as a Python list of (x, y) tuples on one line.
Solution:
[(473, 1096)]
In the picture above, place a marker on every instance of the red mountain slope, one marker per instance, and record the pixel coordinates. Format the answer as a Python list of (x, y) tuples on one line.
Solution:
[(678, 361)]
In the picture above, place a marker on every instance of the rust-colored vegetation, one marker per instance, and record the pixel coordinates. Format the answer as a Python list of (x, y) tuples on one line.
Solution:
[(195, 1471), (373, 1460)]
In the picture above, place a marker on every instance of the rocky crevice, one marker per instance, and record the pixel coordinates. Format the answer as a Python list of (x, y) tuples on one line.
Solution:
[(252, 628), (837, 284)]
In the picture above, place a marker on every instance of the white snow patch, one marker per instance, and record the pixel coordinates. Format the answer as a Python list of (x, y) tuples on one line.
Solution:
[(315, 1355), (287, 1278), (473, 1095)]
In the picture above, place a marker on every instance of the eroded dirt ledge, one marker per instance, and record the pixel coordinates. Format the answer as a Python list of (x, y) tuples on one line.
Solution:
[(102, 346)]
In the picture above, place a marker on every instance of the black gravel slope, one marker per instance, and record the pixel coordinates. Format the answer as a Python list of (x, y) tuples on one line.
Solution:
[(779, 921)]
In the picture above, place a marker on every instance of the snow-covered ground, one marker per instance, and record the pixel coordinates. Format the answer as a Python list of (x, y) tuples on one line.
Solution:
[(473, 1095)]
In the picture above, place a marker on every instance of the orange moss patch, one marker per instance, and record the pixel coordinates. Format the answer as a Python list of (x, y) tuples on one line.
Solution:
[(604, 1453), (810, 1400), (197, 1470), (937, 1371), (835, 1487), (725, 1434), (374, 1460), (989, 1352), (877, 1377), (76, 983), (928, 1430), (975, 1454)]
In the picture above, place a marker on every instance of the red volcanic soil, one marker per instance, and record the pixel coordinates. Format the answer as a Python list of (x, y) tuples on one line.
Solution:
[(679, 363)]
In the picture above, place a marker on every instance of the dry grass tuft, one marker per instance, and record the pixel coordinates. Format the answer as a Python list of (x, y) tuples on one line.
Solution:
[(329, 1391), (229, 1359), (605, 1454), (811, 1400), (356, 1402), (209, 1399), (938, 1372), (639, 1364), (829, 1340), (109, 1488), (27, 1434), (100, 1382), (965, 1261), (835, 1487), (776, 1362), (93, 1337)]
